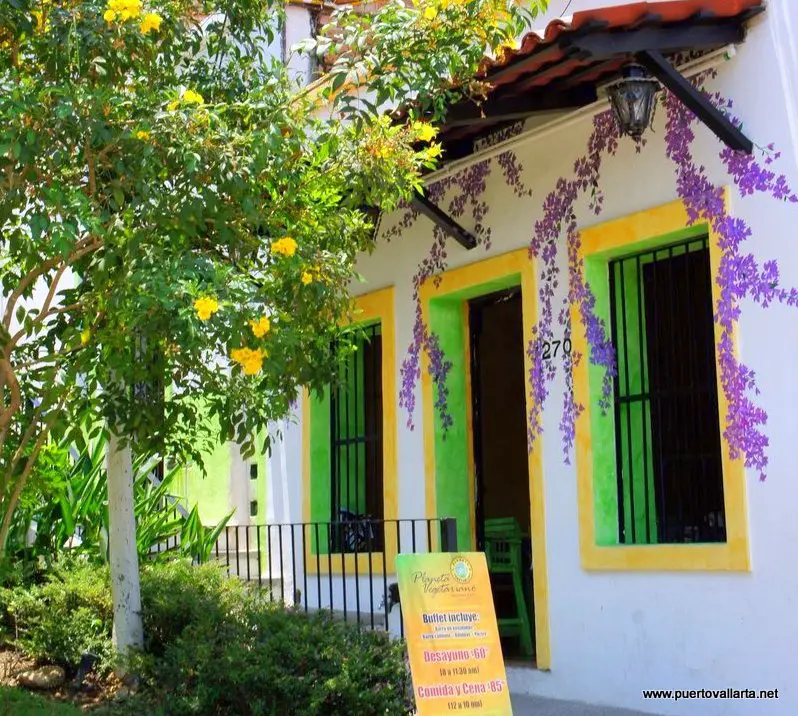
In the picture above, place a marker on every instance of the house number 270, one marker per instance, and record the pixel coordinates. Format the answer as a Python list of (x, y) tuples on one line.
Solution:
[(552, 348)]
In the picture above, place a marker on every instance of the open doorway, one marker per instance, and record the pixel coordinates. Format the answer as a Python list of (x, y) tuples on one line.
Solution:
[(501, 462)]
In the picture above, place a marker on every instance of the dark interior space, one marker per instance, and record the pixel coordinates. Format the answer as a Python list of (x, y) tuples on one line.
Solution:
[(500, 455), (681, 358)]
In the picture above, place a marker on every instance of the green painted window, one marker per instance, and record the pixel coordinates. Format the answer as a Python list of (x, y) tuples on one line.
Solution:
[(347, 452), (667, 443)]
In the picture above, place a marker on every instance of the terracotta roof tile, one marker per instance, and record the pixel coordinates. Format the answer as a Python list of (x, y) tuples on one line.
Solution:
[(623, 17), (545, 63)]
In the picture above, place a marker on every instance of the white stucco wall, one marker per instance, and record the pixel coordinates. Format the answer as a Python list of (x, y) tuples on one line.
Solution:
[(614, 634), (297, 28)]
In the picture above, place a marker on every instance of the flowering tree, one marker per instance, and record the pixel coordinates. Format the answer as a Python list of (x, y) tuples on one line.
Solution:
[(179, 223)]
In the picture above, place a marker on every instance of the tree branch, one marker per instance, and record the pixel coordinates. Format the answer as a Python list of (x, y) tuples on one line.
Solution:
[(10, 504), (53, 288), (26, 436), (82, 247), (7, 372), (44, 314), (49, 358)]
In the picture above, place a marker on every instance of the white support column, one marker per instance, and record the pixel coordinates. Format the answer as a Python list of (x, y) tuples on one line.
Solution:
[(128, 634)]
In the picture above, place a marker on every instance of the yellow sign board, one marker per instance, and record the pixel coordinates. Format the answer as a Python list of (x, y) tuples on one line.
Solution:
[(452, 635)]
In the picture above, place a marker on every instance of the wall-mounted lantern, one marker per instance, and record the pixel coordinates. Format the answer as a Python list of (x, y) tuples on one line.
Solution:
[(633, 100)]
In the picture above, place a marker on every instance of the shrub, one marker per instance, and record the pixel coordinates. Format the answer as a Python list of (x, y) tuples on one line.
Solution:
[(67, 615), (213, 646), (275, 661), (71, 612), (177, 594)]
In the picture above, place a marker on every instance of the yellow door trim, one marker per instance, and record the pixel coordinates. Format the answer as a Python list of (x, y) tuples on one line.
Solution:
[(462, 284)]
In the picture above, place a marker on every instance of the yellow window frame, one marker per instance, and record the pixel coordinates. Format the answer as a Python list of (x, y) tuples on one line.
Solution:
[(377, 306), (601, 243)]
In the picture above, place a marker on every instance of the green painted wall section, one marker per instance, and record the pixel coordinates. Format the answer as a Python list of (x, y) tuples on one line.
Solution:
[(602, 426), (452, 490), (453, 497), (210, 493), (320, 457)]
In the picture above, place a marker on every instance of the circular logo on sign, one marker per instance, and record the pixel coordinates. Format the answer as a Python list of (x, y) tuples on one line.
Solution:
[(461, 569)]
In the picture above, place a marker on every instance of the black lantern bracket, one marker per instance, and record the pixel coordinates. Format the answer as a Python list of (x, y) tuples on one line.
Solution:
[(695, 100), (463, 237)]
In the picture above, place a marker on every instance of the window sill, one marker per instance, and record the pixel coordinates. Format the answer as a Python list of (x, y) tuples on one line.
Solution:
[(727, 557), (346, 564)]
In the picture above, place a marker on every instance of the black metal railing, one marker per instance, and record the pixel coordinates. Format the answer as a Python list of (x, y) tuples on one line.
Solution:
[(299, 563)]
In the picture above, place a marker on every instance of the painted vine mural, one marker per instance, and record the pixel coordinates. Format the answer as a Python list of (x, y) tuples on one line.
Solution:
[(741, 276)]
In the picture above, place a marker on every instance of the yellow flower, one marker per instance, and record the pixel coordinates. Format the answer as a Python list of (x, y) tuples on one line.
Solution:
[(285, 246), (261, 326), (151, 21), (122, 9), (85, 336), (133, 8), (39, 17), (379, 148), (192, 97), (172, 106), (250, 360), (425, 131), (205, 306), (142, 135), (307, 278), (430, 13), (434, 150)]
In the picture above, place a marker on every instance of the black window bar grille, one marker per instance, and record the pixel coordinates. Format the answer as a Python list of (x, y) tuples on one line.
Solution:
[(356, 449), (667, 431)]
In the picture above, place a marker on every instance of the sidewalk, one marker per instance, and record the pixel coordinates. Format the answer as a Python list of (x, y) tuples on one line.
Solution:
[(537, 706)]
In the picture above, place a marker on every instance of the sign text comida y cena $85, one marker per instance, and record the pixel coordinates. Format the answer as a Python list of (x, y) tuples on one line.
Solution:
[(452, 635)]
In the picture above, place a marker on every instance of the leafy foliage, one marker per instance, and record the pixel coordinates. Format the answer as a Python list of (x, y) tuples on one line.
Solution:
[(64, 508), (165, 187), (213, 647), (59, 620)]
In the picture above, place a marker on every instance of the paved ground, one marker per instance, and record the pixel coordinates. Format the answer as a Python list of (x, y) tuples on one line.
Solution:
[(536, 706)]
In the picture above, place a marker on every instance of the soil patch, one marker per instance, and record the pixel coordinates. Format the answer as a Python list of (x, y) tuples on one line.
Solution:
[(94, 691)]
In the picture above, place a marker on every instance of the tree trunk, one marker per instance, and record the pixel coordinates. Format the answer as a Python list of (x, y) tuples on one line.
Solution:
[(128, 634)]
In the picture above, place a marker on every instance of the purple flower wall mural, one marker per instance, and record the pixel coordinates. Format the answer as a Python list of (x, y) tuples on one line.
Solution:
[(740, 275)]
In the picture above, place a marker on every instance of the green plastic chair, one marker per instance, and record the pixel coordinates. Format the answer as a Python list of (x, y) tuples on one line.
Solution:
[(503, 541)]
